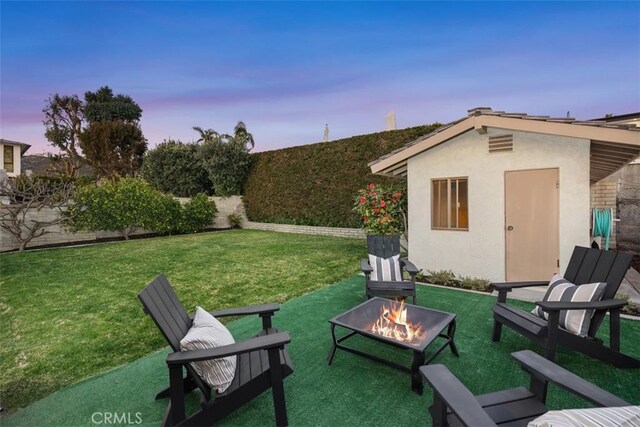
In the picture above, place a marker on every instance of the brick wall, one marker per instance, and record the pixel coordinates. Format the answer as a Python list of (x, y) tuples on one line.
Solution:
[(603, 195), (306, 229)]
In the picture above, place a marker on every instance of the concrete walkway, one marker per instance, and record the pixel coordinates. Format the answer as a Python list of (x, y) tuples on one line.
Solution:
[(630, 286)]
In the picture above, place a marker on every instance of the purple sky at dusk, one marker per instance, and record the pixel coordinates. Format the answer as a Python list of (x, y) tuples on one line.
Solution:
[(288, 68)]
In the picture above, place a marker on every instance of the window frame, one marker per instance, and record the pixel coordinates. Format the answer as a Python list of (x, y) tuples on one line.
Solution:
[(448, 180), (12, 162)]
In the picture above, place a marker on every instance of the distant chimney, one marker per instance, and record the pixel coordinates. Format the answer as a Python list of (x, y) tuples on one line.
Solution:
[(390, 120), (325, 136), (478, 111)]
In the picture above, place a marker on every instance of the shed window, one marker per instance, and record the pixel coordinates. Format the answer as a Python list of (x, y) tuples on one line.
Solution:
[(8, 158), (449, 204)]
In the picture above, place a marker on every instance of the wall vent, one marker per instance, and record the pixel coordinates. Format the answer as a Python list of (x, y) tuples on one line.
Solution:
[(500, 143)]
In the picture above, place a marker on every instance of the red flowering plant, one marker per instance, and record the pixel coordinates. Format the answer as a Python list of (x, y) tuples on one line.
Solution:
[(382, 209)]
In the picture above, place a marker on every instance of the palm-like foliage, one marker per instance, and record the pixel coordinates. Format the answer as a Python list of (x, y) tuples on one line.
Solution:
[(226, 157), (242, 137), (206, 135)]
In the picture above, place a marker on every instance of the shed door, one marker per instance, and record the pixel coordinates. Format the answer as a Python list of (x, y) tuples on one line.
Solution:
[(531, 224)]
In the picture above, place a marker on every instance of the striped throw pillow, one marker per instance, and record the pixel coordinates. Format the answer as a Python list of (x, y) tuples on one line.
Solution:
[(207, 332), (624, 416), (560, 289), (385, 269)]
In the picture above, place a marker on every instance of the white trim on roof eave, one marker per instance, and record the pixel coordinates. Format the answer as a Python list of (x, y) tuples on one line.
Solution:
[(481, 122), (424, 145)]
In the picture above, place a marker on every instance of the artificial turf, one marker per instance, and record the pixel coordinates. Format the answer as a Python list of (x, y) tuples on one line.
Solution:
[(352, 391)]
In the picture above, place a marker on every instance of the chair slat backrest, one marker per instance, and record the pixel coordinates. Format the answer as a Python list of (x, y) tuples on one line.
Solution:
[(162, 304), (574, 263), (589, 265), (383, 246)]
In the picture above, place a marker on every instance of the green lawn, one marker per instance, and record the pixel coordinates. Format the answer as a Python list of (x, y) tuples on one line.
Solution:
[(70, 313), (353, 391)]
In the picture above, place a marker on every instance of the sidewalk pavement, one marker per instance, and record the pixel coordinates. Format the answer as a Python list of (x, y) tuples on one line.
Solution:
[(630, 286)]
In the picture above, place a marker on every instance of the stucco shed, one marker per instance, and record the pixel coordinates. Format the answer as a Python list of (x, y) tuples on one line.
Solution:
[(505, 196)]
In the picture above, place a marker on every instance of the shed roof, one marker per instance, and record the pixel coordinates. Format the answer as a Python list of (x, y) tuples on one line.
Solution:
[(612, 145)]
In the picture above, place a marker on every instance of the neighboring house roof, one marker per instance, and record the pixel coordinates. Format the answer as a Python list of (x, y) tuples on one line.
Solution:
[(23, 147), (630, 117), (612, 145)]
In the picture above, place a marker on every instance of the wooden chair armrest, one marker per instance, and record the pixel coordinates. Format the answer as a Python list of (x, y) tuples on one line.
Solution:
[(455, 396), (365, 266), (409, 266), (263, 342), (578, 305), (514, 285), (546, 370), (244, 311)]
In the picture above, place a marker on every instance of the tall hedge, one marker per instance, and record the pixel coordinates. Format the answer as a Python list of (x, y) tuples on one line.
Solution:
[(316, 184)]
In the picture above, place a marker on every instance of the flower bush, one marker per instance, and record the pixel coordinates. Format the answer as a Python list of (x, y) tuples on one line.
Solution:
[(381, 209)]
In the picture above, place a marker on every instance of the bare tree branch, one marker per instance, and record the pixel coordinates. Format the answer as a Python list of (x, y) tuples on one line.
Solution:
[(23, 197)]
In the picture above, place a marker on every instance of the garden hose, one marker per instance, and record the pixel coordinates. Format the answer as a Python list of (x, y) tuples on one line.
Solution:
[(602, 222)]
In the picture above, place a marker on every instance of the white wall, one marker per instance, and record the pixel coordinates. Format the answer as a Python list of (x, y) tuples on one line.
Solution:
[(17, 159), (480, 252)]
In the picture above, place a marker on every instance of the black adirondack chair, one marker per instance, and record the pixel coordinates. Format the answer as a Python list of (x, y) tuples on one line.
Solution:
[(454, 404), (387, 246), (262, 361), (587, 265)]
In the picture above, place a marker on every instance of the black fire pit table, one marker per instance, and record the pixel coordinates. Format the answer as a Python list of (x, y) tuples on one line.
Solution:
[(406, 326)]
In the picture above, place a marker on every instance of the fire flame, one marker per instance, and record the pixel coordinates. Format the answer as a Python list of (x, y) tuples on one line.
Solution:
[(392, 323)]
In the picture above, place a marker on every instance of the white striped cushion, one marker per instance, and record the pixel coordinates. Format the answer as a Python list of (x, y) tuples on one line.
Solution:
[(625, 416), (385, 269), (560, 289), (208, 332)]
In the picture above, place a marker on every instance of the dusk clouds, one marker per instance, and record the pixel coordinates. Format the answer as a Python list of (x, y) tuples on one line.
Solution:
[(288, 68)]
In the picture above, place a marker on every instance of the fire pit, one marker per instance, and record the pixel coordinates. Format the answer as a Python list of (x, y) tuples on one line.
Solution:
[(402, 325)]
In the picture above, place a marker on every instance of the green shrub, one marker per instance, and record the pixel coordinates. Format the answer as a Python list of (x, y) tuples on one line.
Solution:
[(234, 220), (315, 184), (198, 213), (227, 164), (631, 308), (174, 167), (442, 278), (123, 205), (448, 278), (475, 283)]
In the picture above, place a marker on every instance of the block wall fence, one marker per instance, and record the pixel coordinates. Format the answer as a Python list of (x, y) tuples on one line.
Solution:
[(226, 205), (603, 195)]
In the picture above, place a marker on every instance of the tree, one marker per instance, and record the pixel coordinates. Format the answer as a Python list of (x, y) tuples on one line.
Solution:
[(103, 106), (113, 148), (176, 168), (206, 134), (242, 137), (63, 120), (112, 142), (24, 198), (227, 159)]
